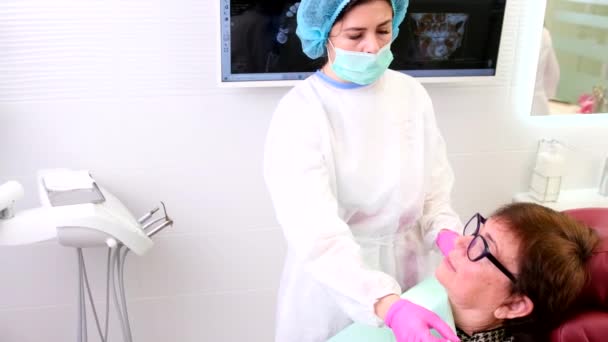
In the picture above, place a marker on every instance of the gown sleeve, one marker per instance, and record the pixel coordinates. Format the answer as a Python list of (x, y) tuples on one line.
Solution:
[(437, 210)]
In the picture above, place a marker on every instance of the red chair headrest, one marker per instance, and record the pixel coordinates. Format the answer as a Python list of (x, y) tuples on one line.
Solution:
[(596, 291), (590, 320), (589, 326)]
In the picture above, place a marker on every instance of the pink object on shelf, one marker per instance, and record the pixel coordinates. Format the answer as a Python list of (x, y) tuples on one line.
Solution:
[(586, 103)]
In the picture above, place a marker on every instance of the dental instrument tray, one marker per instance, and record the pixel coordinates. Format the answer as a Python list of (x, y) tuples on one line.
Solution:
[(67, 187), (80, 213)]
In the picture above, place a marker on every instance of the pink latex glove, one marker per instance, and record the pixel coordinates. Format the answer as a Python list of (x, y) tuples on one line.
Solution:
[(413, 323), (445, 240)]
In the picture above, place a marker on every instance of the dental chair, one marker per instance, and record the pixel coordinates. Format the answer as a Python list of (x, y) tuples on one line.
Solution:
[(588, 322)]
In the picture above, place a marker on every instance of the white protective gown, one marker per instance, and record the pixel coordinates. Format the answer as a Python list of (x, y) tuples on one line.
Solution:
[(547, 76), (361, 186)]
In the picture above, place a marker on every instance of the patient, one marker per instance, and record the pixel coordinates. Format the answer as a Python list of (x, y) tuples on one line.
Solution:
[(516, 274), (511, 277)]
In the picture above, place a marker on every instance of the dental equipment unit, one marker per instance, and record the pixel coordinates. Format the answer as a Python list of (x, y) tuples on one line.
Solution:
[(78, 213)]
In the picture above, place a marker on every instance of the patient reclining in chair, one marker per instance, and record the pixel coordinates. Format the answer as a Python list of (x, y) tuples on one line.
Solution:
[(510, 277)]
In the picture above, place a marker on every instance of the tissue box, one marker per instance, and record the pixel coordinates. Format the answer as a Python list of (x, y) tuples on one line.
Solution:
[(544, 188)]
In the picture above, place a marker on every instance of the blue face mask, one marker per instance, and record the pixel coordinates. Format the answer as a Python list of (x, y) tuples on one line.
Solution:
[(360, 67)]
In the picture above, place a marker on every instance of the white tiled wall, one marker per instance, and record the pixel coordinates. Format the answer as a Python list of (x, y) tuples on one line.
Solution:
[(127, 90)]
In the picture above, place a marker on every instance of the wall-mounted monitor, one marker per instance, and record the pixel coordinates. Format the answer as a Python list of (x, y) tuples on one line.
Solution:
[(438, 39)]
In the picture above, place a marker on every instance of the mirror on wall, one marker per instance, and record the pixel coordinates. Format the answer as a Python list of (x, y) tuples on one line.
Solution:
[(572, 75)]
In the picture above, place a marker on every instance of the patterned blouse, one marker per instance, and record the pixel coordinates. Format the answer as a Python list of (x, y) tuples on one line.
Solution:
[(495, 335)]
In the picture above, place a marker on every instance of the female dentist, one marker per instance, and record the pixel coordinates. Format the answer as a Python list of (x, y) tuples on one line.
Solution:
[(357, 171)]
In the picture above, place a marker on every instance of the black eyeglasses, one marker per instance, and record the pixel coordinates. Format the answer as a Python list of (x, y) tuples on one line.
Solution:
[(478, 248)]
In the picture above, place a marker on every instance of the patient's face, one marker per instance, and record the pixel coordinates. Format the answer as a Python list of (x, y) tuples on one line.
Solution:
[(480, 285)]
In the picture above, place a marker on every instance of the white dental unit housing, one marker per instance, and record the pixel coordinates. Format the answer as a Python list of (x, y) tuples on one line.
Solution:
[(79, 213)]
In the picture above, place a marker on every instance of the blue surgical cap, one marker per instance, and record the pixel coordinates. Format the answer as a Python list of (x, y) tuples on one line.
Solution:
[(316, 17)]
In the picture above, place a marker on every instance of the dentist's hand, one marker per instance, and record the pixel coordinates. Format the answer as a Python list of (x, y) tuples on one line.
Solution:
[(412, 323), (445, 240)]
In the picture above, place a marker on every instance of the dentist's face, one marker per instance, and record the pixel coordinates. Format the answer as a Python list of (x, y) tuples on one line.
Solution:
[(480, 285), (366, 28)]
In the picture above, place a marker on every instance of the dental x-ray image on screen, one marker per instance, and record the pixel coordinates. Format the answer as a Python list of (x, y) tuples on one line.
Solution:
[(438, 38)]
